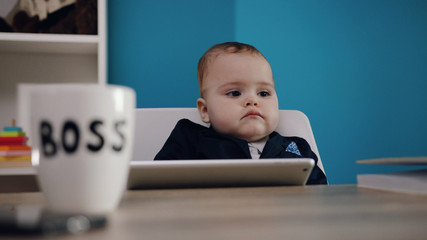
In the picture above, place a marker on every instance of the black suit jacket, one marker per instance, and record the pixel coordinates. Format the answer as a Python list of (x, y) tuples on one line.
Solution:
[(189, 140)]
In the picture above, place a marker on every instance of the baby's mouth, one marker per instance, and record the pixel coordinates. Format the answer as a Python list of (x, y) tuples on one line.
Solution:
[(252, 114)]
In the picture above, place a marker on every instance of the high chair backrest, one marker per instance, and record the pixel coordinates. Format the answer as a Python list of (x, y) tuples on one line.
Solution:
[(154, 125)]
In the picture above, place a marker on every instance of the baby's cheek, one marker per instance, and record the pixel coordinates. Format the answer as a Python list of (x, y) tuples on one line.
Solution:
[(274, 120), (225, 123)]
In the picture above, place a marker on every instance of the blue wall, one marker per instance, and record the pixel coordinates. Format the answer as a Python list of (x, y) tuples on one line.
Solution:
[(358, 69), (154, 46)]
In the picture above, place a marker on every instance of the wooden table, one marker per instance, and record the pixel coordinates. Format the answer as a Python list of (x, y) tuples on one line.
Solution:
[(317, 212)]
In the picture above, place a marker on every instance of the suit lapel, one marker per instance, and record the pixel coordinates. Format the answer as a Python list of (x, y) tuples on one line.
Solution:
[(273, 147), (223, 146)]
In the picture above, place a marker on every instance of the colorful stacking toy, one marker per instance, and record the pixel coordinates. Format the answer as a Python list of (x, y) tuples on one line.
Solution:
[(13, 144)]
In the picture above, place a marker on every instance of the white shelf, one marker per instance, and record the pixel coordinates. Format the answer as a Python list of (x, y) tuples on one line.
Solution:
[(33, 58), (48, 43), (17, 171)]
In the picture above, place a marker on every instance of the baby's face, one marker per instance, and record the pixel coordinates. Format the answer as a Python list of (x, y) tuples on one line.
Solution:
[(239, 97)]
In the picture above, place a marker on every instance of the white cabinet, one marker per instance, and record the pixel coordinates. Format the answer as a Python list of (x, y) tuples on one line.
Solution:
[(49, 58)]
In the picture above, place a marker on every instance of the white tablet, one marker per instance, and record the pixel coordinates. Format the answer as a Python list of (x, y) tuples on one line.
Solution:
[(219, 173)]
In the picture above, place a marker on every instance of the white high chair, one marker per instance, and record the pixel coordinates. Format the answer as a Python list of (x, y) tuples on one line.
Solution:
[(154, 125)]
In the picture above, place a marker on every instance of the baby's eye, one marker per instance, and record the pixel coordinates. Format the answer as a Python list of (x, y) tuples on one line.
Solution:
[(234, 93), (263, 94)]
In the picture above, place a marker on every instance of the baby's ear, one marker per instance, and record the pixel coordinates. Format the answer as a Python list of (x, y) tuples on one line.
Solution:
[(203, 110)]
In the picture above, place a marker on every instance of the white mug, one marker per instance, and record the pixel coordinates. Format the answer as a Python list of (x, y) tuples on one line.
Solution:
[(82, 136)]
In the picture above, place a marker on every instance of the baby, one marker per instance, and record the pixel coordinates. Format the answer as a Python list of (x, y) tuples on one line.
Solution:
[(239, 100)]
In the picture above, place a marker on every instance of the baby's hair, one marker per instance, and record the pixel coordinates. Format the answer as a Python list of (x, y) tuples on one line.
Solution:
[(214, 51)]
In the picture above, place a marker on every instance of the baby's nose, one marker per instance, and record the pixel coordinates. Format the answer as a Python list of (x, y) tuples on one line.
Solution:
[(251, 101)]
